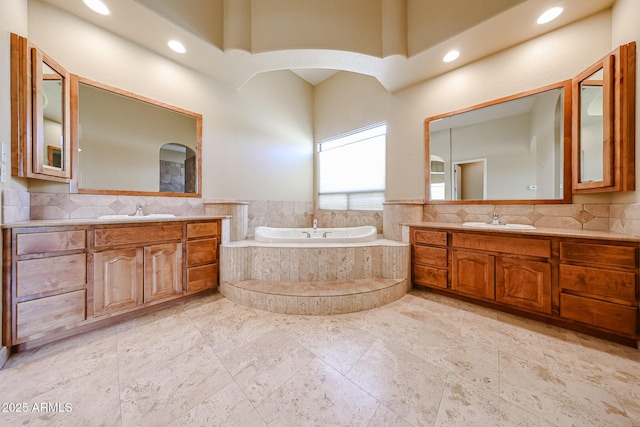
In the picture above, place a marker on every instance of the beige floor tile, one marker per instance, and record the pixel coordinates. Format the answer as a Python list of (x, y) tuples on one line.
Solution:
[(162, 391), (265, 363), (406, 384), (464, 404), (318, 396), (474, 362), (384, 417), (229, 407), (338, 345), (422, 360), (234, 331), (386, 324), (561, 400)]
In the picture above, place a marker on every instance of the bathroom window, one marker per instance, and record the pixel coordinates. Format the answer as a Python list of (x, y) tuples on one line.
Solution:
[(351, 170)]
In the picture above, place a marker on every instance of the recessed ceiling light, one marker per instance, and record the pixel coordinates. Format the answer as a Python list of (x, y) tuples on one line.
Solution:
[(550, 15), (176, 46), (451, 56), (97, 6)]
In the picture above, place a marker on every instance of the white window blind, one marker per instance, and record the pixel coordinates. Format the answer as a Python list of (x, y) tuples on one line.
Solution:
[(351, 170)]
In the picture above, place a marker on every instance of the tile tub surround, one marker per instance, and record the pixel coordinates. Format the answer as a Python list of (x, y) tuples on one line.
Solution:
[(311, 279)]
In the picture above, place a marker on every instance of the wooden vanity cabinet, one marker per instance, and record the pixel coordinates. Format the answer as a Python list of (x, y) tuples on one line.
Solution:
[(513, 271), (60, 280), (429, 258), (588, 284), (45, 290), (203, 240), (598, 284)]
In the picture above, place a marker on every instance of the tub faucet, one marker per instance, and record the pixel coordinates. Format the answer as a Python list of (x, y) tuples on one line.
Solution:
[(315, 225), (139, 211)]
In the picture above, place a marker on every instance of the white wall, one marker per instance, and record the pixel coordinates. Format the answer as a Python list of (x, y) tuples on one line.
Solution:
[(13, 19), (256, 142), (349, 101)]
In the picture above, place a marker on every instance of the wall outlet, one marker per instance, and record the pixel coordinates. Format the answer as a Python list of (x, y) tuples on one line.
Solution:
[(3, 173)]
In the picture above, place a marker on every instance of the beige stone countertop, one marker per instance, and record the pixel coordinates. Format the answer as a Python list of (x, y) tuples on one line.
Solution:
[(96, 221), (553, 232)]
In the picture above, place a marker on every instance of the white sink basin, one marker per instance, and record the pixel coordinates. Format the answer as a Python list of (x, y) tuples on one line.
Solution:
[(138, 217), (500, 226)]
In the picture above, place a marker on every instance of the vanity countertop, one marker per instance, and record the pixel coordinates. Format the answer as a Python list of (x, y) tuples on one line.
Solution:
[(551, 232), (96, 221)]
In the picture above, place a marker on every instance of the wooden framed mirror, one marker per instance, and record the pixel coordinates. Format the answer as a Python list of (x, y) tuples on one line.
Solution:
[(511, 150), (604, 124), (40, 114), (124, 143)]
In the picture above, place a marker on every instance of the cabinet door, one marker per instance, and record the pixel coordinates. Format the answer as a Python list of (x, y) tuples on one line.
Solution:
[(473, 274), (525, 284), (118, 279), (162, 271)]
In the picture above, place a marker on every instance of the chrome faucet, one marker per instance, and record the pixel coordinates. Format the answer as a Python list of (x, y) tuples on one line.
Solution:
[(139, 211), (315, 225), (325, 234), (307, 233), (495, 220)]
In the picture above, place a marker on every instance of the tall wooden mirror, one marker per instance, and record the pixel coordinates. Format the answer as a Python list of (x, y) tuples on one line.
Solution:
[(604, 124), (39, 114)]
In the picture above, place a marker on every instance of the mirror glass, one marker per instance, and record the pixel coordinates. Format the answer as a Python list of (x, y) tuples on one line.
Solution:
[(592, 128), (52, 111), (510, 149), (131, 144)]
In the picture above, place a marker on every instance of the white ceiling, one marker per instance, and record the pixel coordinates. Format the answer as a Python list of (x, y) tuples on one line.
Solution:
[(399, 42)]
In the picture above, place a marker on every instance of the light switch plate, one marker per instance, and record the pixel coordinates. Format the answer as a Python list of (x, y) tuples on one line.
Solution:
[(3, 173), (4, 152)]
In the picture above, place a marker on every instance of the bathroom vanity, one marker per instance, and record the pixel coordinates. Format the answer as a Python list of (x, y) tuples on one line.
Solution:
[(63, 277), (587, 281)]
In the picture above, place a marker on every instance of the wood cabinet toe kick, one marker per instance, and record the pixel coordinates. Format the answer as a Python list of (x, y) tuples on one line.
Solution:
[(587, 284), (62, 280)]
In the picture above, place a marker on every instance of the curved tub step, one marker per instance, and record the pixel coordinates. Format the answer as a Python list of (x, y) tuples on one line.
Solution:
[(315, 298)]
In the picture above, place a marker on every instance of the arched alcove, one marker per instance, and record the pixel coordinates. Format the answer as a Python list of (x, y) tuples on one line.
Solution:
[(177, 169)]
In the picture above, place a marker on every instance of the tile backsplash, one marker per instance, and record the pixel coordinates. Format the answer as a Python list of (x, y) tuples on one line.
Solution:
[(621, 218)]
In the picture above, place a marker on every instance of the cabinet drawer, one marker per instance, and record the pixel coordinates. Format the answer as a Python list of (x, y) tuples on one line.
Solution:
[(589, 253), (202, 229), (606, 283), (136, 235), (201, 251), (504, 244), (427, 255), (203, 277), (619, 318), (429, 237), (45, 314), (55, 241), (429, 276), (36, 276)]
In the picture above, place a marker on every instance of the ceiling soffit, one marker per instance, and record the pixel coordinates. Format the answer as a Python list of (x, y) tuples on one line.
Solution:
[(399, 42)]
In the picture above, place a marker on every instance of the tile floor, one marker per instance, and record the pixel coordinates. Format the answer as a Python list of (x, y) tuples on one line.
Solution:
[(424, 360)]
